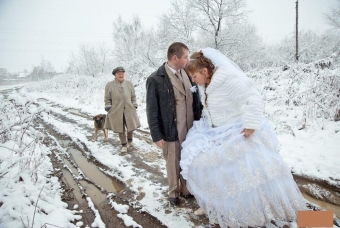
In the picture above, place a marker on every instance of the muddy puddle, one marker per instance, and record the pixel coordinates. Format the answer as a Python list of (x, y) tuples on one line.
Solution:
[(97, 197), (326, 206), (79, 164), (92, 172), (72, 184)]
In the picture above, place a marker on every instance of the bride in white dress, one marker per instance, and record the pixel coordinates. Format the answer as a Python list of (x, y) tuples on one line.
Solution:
[(230, 157)]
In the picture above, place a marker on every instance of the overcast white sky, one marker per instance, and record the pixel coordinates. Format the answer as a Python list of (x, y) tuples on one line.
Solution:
[(52, 29)]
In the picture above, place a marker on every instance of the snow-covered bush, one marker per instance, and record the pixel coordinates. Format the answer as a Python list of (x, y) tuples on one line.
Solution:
[(312, 89), (19, 136), (312, 46), (29, 196)]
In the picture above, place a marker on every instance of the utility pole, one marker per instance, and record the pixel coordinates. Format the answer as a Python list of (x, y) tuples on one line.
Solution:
[(297, 31)]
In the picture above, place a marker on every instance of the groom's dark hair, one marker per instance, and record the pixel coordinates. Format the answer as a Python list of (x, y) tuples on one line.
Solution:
[(176, 49)]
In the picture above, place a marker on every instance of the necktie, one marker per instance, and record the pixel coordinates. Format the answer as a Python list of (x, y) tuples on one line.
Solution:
[(179, 78)]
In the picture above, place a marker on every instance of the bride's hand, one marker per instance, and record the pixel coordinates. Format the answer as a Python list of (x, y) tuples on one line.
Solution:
[(247, 132)]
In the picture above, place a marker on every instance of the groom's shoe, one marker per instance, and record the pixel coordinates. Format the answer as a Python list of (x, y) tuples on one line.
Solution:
[(174, 201)]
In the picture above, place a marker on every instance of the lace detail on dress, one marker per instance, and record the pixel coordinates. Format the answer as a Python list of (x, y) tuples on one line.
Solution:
[(263, 209), (233, 177), (249, 159)]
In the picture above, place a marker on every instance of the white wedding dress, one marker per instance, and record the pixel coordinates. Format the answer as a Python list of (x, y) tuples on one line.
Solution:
[(237, 181)]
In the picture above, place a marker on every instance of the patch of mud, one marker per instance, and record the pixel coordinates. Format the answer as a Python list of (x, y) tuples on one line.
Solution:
[(320, 192), (76, 190), (71, 194), (155, 174), (92, 172)]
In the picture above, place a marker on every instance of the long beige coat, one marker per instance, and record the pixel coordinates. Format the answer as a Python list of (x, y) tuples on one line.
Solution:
[(122, 98)]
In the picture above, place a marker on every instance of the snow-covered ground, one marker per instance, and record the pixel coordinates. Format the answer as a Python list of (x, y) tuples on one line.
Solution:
[(312, 151), (29, 194)]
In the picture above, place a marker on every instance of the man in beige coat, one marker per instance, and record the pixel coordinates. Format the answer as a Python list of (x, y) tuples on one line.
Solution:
[(170, 112), (120, 103)]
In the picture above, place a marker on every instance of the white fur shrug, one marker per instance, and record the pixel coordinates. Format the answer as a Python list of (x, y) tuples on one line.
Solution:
[(230, 97)]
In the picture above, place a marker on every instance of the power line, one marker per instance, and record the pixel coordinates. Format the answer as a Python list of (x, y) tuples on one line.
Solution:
[(34, 50), (6, 65), (59, 33), (39, 41)]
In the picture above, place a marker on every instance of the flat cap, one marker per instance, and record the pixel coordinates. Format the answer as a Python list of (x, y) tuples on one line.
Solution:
[(118, 69)]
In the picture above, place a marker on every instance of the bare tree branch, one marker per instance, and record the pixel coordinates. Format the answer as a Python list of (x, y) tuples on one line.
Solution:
[(333, 17)]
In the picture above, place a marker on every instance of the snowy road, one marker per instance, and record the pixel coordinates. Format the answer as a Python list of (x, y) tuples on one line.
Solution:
[(130, 190), (139, 175)]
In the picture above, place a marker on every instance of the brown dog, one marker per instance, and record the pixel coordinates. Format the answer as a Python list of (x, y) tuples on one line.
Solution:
[(99, 121)]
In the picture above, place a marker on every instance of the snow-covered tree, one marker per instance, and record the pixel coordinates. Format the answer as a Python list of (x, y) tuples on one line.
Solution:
[(91, 59), (46, 65), (312, 47), (178, 24), (333, 17), (88, 59), (244, 45), (47, 68), (74, 65), (221, 24), (103, 52), (134, 49), (37, 73), (3, 73), (216, 17)]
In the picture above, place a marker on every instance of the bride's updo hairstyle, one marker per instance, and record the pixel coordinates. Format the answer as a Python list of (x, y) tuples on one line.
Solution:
[(197, 62)]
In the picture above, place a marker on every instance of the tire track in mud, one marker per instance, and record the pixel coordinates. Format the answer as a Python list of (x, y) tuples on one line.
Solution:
[(145, 165), (143, 161), (80, 189), (68, 165), (140, 162)]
